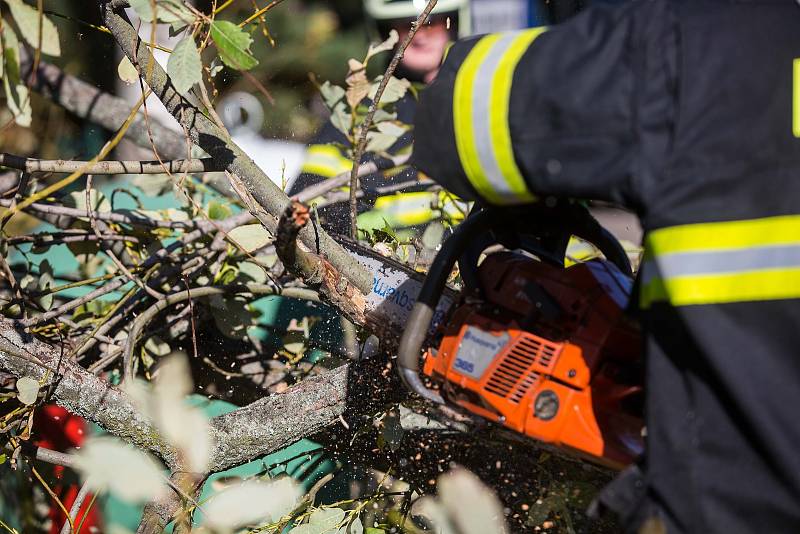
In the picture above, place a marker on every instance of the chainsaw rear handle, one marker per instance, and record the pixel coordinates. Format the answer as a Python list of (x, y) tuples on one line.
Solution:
[(432, 288)]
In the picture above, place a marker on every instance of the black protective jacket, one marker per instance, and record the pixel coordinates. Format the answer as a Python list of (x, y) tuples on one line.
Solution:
[(689, 113)]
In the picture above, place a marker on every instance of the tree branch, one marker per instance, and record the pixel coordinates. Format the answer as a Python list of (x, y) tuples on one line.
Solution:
[(225, 152), (88, 102), (373, 107), (108, 167)]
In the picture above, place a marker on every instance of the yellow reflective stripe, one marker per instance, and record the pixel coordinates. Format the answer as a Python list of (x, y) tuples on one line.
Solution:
[(500, 98), (724, 235), (462, 117), (749, 286), (481, 99), (326, 160), (796, 99), (722, 262), (407, 209)]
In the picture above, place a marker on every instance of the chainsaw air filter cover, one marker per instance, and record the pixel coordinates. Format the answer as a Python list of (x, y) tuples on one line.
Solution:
[(548, 352)]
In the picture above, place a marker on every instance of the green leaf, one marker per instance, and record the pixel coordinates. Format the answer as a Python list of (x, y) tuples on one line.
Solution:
[(251, 272), (2, 459), (250, 237), (341, 119), (10, 62), (218, 211), (185, 67), (19, 102), (127, 72), (232, 316), (327, 517), (233, 45), (28, 19), (153, 185), (309, 528), (353, 528), (371, 530), (395, 89), (331, 94), (380, 142), (392, 432), (169, 11)]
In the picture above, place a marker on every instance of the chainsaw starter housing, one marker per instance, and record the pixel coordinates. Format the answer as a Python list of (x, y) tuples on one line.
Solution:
[(547, 352)]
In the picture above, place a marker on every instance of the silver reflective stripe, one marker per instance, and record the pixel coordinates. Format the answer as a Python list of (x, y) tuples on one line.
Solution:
[(722, 262), (481, 122)]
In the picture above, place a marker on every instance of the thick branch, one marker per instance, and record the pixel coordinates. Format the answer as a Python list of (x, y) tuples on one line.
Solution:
[(79, 391), (88, 102), (225, 152)]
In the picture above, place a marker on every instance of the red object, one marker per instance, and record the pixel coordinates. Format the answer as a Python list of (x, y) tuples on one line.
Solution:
[(57, 429), (548, 352)]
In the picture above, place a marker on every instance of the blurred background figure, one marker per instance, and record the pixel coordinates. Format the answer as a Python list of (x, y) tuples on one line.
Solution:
[(411, 206)]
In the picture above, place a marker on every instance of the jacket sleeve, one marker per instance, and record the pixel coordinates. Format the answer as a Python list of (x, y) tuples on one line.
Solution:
[(570, 110)]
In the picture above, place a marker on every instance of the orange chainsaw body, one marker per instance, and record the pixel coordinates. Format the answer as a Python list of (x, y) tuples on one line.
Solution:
[(548, 353)]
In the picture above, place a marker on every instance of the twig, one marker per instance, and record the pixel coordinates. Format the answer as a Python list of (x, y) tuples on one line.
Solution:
[(107, 147), (155, 259), (55, 238), (108, 167), (373, 107), (271, 199), (76, 508), (313, 191), (145, 317)]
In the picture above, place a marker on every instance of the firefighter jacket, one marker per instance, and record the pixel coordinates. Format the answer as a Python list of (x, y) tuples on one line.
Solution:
[(383, 203), (689, 113)]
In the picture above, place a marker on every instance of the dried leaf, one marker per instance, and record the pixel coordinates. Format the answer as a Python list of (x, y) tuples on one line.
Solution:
[(27, 390), (357, 87), (385, 46)]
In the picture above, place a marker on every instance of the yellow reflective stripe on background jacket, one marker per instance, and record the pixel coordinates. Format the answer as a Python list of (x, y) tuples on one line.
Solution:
[(326, 160), (480, 116), (420, 207), (721, 262)]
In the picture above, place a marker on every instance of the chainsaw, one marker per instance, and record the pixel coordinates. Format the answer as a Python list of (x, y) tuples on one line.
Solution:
[(544, 350)]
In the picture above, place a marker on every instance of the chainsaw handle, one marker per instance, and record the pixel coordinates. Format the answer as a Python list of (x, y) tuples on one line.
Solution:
[(421, 314)]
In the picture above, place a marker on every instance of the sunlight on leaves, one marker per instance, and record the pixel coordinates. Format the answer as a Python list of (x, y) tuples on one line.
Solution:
[(233, 45), (28, 22), (250, 237), (185, 68), (127, 72), (184, 426), (251, 502), (472, 506), (108, 464), (27, 390)]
